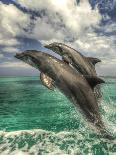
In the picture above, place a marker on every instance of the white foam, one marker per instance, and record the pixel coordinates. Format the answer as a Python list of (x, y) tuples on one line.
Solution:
[(26, 142)]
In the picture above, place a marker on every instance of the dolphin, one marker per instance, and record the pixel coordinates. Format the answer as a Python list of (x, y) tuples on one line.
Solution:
[(56, 73), (84, 65)]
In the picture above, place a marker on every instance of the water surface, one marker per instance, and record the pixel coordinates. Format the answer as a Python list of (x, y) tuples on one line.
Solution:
[(35, 120)]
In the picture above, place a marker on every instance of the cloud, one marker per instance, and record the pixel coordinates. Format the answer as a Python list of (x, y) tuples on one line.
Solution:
[(77, 25), (97, 45), (111, 27), (14, 65), (10, 49), (1, 56), (13, 21), (58, 20), (12, 24), (106, 69), (62, 20), (74, 24), (6, 41)]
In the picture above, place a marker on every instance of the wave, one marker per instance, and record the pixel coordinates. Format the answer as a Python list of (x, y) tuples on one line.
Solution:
[(62, 129), (38, 141)]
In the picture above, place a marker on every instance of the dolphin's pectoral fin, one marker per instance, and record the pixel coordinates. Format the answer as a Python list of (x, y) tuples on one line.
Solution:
[(93, 60), (66, 59), (46, 81), (93, 80)]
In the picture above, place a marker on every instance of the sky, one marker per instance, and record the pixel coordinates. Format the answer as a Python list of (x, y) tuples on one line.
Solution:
[(89, 26)]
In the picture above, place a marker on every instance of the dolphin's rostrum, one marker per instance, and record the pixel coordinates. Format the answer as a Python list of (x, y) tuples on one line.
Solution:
[(73, 85)]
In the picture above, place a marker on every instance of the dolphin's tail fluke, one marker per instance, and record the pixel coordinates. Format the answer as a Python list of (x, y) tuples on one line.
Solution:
[(107, 135), (103, 132)]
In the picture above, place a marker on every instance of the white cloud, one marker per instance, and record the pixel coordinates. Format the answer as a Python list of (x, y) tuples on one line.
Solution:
[(65, 21), (106, 69), (35, 5), (10, 49), (12, 23), (110, 28), (96, 45), (12, 20), (8, 41), (14, 65), (1, 56), (62, 21)]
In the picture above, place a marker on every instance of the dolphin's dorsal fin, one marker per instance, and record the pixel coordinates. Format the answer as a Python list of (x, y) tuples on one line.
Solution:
[(93, 80), (93, 60), (46, 81)]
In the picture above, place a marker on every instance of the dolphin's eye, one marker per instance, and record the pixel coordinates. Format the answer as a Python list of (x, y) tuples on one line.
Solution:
[(70, 57), (55, 48)]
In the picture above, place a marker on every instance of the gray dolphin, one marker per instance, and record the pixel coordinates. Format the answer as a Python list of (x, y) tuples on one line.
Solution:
[(56, 73), (84, 65)]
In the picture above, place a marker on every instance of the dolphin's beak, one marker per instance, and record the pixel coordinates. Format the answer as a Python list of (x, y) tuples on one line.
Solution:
[(99, 60), (47, 46), (18, 55)]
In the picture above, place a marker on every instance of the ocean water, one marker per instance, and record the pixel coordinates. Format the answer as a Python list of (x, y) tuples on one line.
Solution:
[(38, 121)]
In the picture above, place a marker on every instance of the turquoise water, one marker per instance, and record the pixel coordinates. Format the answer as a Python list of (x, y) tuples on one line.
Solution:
[(35, 120)]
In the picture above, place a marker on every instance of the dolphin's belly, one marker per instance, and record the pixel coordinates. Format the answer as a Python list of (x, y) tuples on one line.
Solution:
[(83, 100)]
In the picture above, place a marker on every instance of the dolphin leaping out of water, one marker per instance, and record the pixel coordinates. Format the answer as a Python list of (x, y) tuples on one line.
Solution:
[(84, 65), (73, 85)]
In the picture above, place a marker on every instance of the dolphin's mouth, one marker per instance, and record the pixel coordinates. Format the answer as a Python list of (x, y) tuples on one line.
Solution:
[(48, 47), (55, 48), (18, 55)]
